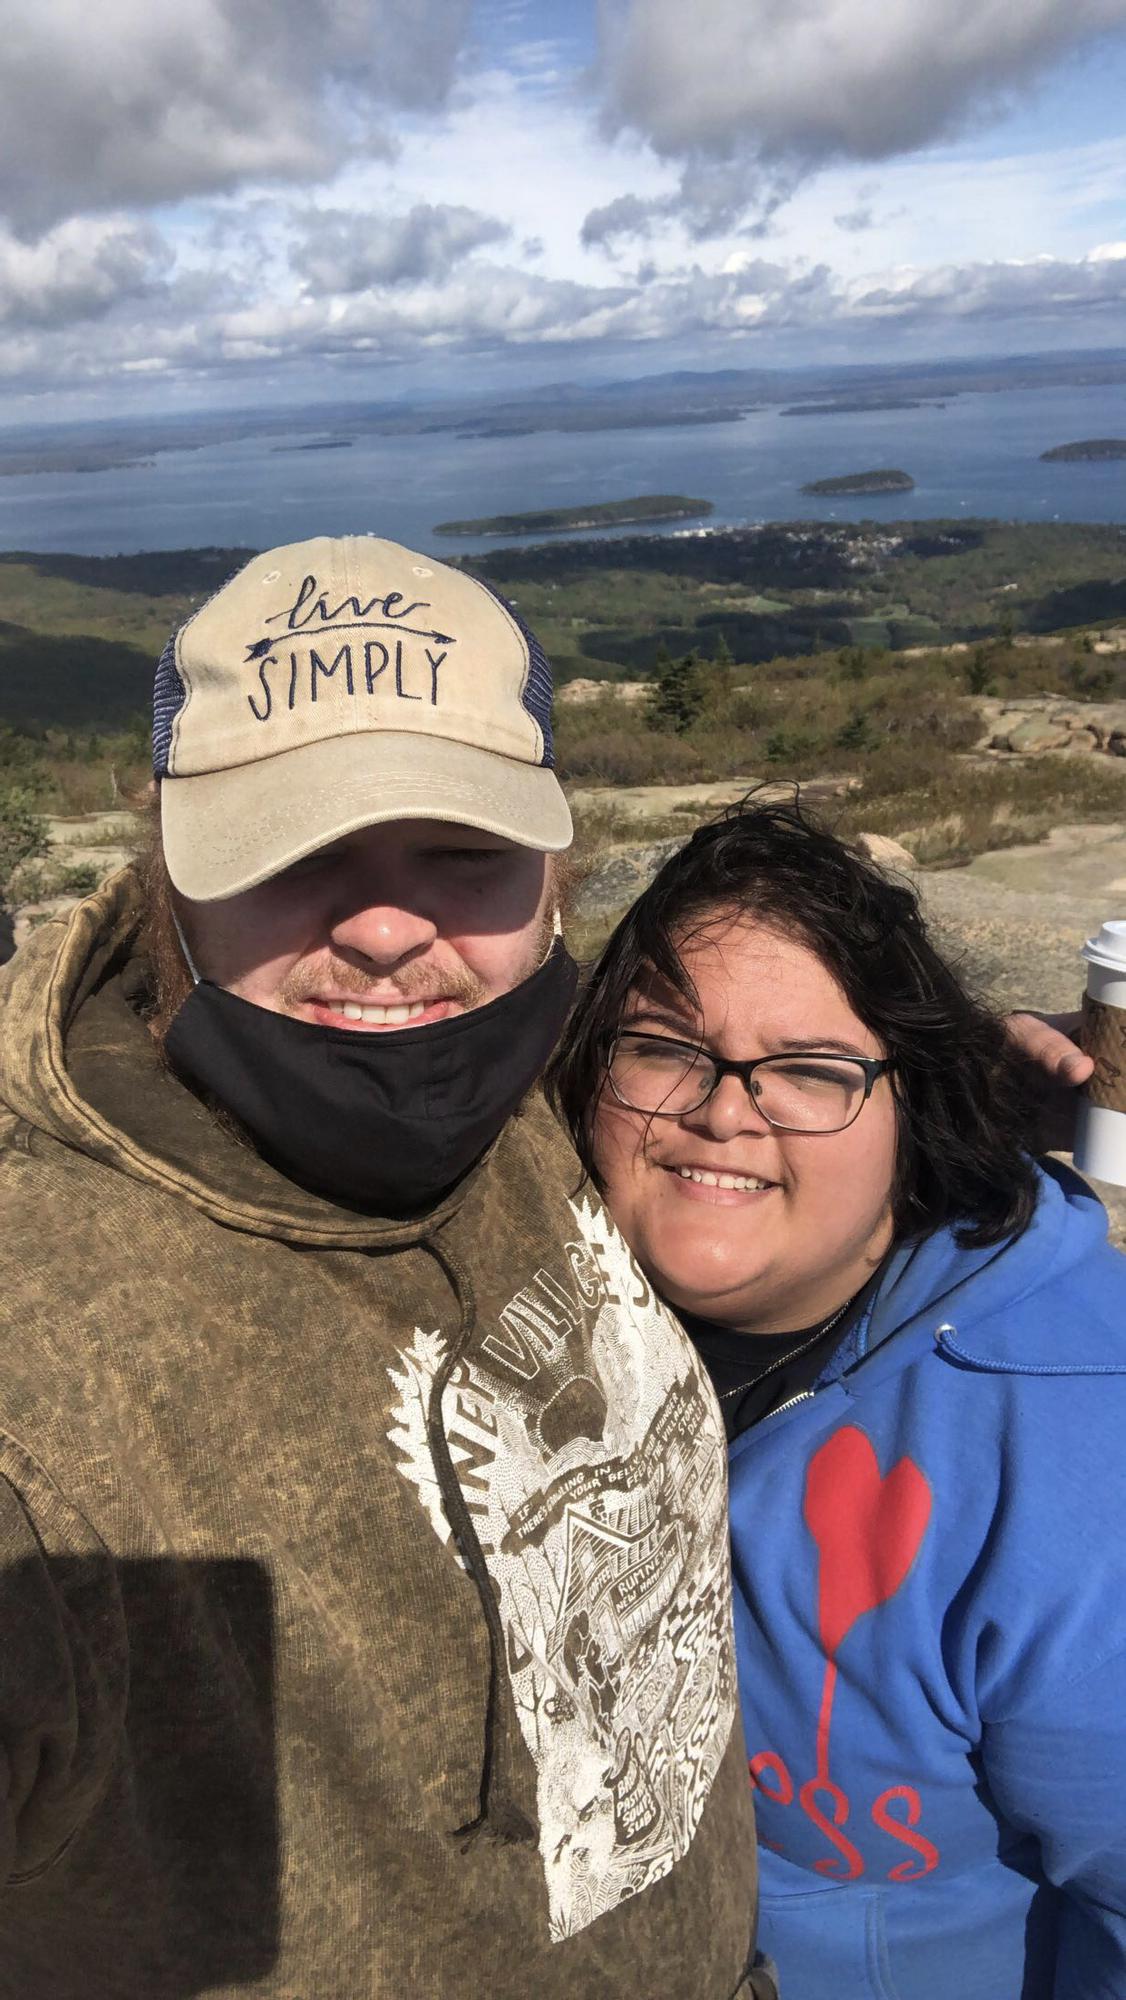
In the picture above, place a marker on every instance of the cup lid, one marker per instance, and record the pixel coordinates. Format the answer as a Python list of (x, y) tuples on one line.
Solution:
[(1109, 948)]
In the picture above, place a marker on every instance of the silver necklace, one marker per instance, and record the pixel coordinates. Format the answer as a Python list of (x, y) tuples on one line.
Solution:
[(784, 1360)]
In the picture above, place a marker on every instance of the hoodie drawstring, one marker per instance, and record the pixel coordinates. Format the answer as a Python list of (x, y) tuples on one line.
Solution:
[(500, 1817)]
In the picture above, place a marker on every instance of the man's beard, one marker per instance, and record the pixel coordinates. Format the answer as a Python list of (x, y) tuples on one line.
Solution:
[(416, 980)]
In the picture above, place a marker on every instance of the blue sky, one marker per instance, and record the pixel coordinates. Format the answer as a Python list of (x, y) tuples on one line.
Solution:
[(1083, 96), (498, 25), (437, 195)]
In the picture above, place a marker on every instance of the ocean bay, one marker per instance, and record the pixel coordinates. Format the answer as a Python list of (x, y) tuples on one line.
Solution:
[(975, 455)]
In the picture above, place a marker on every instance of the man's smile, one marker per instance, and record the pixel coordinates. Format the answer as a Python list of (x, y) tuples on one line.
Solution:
[(361, 1015)]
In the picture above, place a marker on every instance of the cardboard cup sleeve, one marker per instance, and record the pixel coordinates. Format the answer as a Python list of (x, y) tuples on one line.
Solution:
[(1103, 1035)]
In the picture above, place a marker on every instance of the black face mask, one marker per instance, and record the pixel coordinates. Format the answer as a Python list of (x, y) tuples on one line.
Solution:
[(387, 1122)]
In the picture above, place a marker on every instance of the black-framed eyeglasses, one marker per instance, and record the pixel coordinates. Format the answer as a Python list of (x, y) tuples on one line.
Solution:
[(808, 1091)]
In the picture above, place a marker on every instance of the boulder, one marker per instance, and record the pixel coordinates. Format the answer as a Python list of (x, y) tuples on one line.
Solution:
[(1041, 723), (614, 882), (1037, 734), (885, 852), (1003, 724)]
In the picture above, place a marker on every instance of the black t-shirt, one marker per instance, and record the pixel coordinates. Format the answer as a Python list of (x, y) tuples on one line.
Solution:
[(755, 1373)]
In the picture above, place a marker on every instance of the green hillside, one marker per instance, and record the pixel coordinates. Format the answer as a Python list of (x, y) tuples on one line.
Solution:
[(809, 646), (605, 609), (80, 635)]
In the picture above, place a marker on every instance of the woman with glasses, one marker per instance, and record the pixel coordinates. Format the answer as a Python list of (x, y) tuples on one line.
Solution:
[(815, 1143)]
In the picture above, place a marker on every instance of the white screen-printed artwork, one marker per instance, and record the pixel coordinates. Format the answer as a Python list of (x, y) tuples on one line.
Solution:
[(591, 1456)]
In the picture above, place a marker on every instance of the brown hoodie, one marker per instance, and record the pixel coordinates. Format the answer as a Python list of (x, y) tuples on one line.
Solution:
[(364, 1616)]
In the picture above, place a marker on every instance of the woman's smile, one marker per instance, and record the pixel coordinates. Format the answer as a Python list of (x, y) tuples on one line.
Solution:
[(717, 1184)]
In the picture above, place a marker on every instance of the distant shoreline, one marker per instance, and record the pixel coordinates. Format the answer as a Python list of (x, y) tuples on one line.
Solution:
[(684, 400), (70, 463), (317, 444), (860, 406)]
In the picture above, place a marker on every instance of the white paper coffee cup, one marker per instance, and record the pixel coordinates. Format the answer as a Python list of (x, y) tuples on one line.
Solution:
[(1100, 1134)]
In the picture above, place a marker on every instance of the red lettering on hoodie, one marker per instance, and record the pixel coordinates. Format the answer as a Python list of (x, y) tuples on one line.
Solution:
[(885, 1820), (868, 1529)]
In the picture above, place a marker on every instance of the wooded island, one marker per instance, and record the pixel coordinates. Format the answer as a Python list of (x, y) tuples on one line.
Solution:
[(572, 520), (885, 480), (1087, 448)]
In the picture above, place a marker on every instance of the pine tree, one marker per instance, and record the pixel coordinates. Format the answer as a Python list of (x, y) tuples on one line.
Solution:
[(678, 693), (720, 673)]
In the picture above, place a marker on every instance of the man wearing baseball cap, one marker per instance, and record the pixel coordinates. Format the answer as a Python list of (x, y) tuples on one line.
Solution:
[(363, 1576)]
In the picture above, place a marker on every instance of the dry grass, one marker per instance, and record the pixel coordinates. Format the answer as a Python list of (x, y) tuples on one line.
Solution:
[(106, 782), (901, 726), (968, 806)]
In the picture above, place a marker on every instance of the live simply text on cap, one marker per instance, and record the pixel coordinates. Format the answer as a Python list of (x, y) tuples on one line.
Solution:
[(337, 683)]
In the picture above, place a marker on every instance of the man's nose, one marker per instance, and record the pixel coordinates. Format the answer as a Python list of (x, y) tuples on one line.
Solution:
[(730, 1109), (384, 933)]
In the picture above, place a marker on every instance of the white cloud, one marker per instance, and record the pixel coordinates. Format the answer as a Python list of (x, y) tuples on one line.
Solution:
[(79, 271), (180, 333), (136, 102), (483, 305), (770, 89), (1033, 289), (342, 251), (712, 200), (855, 220), (627, 215)]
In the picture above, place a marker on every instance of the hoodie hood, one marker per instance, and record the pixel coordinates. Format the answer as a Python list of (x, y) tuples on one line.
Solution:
[(972, 1303), (78, 1064)]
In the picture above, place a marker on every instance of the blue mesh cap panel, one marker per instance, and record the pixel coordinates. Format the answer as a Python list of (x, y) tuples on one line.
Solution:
[(169, 693), (536, 692), (168, 697)]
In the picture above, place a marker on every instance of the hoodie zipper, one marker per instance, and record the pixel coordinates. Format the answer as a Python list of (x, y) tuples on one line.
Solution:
[(803, 1396)]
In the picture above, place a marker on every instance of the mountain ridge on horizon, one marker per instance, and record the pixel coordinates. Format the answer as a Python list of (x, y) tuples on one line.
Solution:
[(710, 395)]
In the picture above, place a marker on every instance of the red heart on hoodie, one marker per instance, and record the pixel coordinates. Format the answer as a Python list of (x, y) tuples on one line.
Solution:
[(868, 1530)]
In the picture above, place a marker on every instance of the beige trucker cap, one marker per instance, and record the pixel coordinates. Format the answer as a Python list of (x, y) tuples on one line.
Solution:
[(334, 684)]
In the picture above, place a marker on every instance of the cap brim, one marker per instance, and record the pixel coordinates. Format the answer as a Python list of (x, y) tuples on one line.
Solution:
[(226, 831)]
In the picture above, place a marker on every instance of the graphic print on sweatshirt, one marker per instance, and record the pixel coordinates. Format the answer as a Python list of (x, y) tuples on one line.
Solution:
[(868, 1529), (591, 1456)]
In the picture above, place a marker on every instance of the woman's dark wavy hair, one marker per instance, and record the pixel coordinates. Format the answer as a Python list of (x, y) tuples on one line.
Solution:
[(961, 1088)]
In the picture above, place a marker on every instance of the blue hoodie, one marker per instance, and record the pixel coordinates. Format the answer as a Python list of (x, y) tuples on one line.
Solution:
[(930, 1571)]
